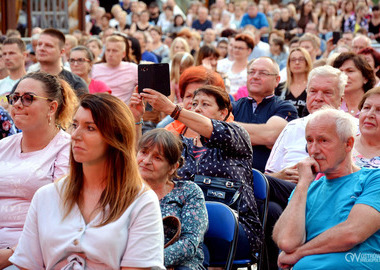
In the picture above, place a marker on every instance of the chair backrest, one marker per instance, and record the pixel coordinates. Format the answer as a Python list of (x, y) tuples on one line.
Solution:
[(223, 229), (260, 185), (261, 191)]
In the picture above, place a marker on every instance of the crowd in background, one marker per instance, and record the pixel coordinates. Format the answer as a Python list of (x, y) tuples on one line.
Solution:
[(240, 72)]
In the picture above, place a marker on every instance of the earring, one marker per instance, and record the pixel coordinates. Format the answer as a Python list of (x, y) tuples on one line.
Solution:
[(49, 120)]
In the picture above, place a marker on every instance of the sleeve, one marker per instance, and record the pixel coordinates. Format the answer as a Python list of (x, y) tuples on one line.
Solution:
[(286, 110), (243, 21), (263, 21), (81, 87), (229, 137), (28, 253), (277, 153), (145, 247), (194, 223), (62, 164), (371, 191)]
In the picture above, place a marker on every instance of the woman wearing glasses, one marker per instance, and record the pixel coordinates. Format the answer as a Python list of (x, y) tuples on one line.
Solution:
[(298, 67), (42, 106), (81, 61), (237, 72)]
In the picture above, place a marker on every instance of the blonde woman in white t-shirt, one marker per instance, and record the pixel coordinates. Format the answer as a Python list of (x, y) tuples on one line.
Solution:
[(42, 106)]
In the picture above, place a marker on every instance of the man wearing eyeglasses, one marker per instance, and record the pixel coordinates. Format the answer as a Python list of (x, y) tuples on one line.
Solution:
[(325, 88), (14, 56), (49, 52), (263, 114)]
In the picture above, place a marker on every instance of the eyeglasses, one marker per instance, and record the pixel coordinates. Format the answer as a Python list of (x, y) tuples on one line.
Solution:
[(26, 99), (301, 59), (79, 61), (260, 73), (239, 48)]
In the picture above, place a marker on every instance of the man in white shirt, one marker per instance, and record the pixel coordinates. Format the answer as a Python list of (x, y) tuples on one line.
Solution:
[(325, 87), (14, 56)]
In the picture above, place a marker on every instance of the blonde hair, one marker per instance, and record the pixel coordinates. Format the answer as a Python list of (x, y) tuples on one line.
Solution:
[(175, 41), (309, 64), (180, 62), (116, 124)]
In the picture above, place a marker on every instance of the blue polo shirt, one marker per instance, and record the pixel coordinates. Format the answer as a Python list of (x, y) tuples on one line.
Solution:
[(150, 57), (243, 111), (197, 25), (259, 21)]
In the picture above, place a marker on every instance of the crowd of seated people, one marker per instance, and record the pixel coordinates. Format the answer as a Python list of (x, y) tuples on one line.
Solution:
[(277, 87)]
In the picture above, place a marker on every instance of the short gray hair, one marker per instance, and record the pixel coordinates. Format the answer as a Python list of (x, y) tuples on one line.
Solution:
[(344, 122), (328, 70)]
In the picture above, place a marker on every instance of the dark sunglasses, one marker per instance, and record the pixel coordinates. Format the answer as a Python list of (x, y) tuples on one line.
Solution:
[(26, 99)]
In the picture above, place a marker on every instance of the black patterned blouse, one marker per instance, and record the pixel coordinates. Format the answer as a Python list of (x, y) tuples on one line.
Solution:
[(228, 155)]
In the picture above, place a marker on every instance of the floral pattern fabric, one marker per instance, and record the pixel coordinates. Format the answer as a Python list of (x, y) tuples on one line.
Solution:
[(362, 162), (186, 202), (7, 127)]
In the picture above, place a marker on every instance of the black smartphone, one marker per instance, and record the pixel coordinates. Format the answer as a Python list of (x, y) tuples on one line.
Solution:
[(336, 37), (154, 76)]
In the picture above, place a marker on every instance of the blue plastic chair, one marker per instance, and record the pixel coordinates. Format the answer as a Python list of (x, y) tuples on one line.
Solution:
[(261, 191), (223, 228)]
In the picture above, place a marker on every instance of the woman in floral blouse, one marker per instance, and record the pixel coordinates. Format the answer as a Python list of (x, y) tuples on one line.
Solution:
[(158, 158)]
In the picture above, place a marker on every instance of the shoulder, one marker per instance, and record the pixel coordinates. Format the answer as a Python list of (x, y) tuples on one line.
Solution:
[(128, 66), (283, 104), (188, 187), (241, 102), (10, 140), (47, 192)]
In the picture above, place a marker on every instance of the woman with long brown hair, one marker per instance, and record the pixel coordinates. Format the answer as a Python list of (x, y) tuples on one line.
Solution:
[(102, 215)]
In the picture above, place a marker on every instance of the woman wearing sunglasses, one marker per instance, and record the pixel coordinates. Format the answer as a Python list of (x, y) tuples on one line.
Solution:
[(42, 106)]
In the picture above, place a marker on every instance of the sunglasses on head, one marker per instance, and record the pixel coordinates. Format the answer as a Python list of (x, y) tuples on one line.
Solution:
[(26, 99)]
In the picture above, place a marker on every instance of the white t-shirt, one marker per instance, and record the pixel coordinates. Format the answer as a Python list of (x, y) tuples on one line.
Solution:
[(22, 174), (224, 65), (134, 240), (237, 80), (290, 146), (6, 86), (121, 80)]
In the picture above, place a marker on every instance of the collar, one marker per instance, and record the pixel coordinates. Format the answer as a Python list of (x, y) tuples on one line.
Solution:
[(252, 100)]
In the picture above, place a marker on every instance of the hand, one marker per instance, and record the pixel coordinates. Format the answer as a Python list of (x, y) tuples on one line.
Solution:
[(137, 106), (5, 254), (307, 169), (158, 101), (289, 174), (286, 260), (330, 45)]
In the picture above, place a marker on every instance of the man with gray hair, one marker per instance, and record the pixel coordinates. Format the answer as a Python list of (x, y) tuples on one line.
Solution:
[(333, 222), (325, 87), (360, 42)]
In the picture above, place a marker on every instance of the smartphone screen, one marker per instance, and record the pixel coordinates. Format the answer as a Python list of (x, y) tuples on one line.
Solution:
[(154, 76), (336, 37)]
